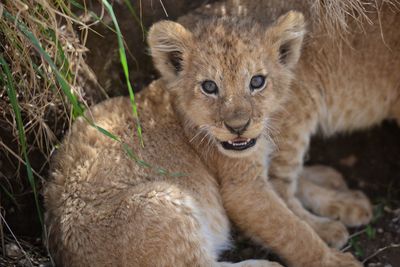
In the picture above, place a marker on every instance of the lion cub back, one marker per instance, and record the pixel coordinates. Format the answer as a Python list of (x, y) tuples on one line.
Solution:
[(103, 206)]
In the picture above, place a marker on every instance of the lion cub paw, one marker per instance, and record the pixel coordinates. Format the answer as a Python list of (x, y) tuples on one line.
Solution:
[(339, 259), (323, 190), (350, 207), (334, 233)]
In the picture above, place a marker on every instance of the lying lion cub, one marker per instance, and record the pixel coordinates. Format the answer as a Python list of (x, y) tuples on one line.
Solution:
[(205, 118)]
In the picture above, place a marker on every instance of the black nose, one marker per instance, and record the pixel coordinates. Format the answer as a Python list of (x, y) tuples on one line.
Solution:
[(237, 129)]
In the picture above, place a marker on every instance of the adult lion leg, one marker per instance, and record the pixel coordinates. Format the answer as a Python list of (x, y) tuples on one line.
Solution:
[(323, 190)]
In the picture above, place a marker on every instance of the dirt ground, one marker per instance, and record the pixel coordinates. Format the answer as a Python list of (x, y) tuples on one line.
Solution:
[(370, 160)]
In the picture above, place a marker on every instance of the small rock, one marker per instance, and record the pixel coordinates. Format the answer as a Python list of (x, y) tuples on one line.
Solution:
[(362, 184), (46, 264), (387, 209), (25, 263), (380, 230), (13, 251), (395, 224), (396, 212), (387, 236), (348, 161)]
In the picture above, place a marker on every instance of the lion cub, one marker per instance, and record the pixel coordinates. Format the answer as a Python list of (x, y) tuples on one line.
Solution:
[(348, 78), (205, 118)]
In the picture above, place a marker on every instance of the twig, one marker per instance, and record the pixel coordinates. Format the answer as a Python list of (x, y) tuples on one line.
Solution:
[(20, 159), (379, 251), (358, 233), (2, 236), (165, 11), (345, 248)]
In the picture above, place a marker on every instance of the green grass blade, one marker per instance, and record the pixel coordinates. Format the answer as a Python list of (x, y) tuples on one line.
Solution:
[(355, 244), (11, 92), (102, 130), (178, 174), (124, 63), (371, 232), (77, 108), (106, 133)]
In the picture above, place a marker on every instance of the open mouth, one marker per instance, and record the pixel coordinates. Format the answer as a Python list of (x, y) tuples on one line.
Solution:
[(239, 143)]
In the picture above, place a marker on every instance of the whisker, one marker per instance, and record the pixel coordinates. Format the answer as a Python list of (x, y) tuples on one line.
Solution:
[(200, 131), (205, 135)]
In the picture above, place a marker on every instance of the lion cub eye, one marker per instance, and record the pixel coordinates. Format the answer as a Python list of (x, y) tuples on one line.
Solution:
[(209, 87), (257, 82)]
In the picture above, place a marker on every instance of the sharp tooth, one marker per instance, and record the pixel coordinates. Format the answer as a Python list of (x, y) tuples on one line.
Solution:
[(239, 144), (230, 142), (248, 140)]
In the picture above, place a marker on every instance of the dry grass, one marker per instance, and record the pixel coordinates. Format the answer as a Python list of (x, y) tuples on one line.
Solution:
[(43, 74), (45, 110)]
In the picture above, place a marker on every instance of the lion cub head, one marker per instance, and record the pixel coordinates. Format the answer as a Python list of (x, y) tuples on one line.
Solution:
[(228, 76)]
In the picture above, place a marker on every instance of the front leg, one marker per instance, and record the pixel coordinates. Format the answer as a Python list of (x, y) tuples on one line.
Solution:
[(283, 172), (294, 133), (255, 208)]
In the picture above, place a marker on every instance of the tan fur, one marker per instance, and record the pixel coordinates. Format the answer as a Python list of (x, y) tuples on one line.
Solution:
[(324, 191), (347, 79), (105, 209)]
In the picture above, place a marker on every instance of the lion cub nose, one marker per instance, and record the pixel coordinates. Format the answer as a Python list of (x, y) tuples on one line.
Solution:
[(237, 127)]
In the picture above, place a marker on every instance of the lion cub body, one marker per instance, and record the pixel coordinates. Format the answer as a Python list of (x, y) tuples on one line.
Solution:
[(106, 209), (116, 200)]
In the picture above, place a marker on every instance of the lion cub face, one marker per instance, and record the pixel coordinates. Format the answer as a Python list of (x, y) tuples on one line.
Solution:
[(229, 76)]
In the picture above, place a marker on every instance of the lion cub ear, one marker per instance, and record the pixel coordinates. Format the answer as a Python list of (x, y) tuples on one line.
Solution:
[(287, 35), (168, 42)]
